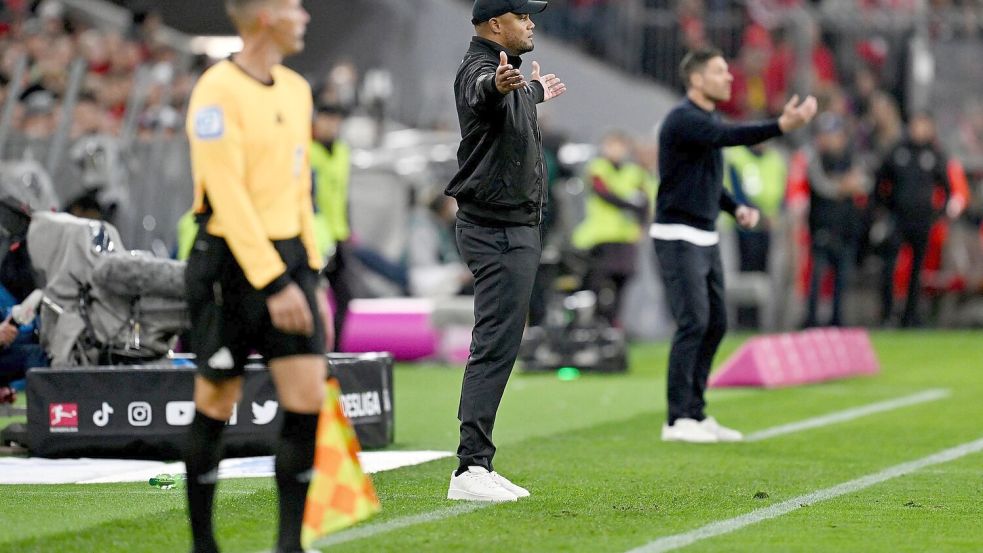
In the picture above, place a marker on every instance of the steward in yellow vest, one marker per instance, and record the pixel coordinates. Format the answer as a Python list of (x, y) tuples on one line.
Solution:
[(331, 169), (756, 175), (619, 205), (330, 162)]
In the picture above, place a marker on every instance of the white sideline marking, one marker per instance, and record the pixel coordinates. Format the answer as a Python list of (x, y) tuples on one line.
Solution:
[(372, 530), (669, 543), (848, 414)]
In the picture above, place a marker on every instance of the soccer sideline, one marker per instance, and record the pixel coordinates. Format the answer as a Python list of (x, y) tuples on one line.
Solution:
[(848, 414), (372, 530), (677, 541)]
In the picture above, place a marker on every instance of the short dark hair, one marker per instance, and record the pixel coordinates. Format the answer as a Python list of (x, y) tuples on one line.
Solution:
[(695, 60)]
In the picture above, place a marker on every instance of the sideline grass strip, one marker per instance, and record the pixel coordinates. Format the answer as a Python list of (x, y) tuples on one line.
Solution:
[(371, 530), (677, 541), (848, 414)]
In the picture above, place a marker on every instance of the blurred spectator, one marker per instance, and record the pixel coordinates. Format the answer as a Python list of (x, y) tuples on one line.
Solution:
[(749, 93), (882, 128), (88, 119), (556, 222), (906, 185), (432, 260), (781, 67), (862, 91), (50, 41), (340, 87), (835, 181), (691, 14), (92, 46), (39, 115), (756, 176), (618, 205), (19, 349), (163, 121), (585, 22), (971, 130), (146, 27), (331, 166)]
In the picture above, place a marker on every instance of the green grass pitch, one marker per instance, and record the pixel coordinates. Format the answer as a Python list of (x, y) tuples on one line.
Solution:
[(602, 481)]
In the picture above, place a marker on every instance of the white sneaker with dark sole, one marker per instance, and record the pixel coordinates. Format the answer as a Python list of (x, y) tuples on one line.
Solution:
[(504, 482), (722, 433), (687, 430), (477, 484)]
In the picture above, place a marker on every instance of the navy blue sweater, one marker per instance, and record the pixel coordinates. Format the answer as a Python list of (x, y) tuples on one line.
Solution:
[(691, 163)]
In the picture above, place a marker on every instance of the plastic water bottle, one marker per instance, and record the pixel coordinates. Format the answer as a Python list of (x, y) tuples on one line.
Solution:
[(168, 481)]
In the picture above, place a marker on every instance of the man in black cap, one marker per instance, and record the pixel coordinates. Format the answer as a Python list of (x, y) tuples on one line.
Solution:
[(500, 190)]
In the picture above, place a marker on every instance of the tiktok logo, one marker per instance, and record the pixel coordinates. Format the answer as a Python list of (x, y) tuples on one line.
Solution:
[(101, 417)]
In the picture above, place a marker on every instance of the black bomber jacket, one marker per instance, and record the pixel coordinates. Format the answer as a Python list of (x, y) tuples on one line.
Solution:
[(501, 179)]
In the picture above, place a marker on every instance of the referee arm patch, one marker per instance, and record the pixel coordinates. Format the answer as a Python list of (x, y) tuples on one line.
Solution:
[(209, 123)]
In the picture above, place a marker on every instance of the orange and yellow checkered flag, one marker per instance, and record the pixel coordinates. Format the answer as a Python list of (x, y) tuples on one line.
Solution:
[(340, 494)]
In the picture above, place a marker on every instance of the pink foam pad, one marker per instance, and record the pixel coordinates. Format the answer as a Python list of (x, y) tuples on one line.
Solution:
[(858, 347), (400, 326), (788, 359)]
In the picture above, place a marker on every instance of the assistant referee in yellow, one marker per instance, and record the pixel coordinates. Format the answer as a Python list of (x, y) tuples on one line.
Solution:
[(252, 272)]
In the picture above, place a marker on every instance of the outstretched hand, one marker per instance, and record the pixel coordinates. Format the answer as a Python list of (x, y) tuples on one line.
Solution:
[(507, 78), (796, 115), (552, 86)]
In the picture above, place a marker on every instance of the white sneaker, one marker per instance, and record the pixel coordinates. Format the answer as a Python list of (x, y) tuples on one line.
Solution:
[(477, 484), (722, 433), (504, 482), (687, 430)]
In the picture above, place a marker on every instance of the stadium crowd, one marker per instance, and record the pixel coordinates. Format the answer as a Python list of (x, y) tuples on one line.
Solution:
[(851, 197)]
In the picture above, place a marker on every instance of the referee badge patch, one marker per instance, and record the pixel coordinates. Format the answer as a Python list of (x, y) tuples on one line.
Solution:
[(209, 123)]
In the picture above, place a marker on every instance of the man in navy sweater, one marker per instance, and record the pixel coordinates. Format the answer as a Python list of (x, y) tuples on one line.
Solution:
[(691, 195)]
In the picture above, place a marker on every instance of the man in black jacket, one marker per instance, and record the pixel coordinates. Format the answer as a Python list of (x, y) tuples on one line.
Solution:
[(500, 190), (691, 195), (908, 179)]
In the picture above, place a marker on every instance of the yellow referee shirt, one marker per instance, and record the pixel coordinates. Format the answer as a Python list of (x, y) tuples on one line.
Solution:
[(249, 155)]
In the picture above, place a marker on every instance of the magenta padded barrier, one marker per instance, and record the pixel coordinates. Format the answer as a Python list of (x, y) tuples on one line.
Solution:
[(814, 355), (400, 326)]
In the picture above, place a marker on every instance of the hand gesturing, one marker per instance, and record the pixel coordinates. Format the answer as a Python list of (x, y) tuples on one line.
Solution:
[(552, 85), (507, 78), (795, 116)]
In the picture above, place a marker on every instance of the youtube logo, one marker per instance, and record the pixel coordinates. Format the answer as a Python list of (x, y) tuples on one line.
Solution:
[(179, 413)]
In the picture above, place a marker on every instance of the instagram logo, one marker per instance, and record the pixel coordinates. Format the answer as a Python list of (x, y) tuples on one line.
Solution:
[(139, 413)]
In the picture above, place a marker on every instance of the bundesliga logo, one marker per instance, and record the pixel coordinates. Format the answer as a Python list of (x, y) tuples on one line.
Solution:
[(63, 417), (365, 404)]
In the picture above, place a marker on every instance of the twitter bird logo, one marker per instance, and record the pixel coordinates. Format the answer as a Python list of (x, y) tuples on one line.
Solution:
[(263, 414)]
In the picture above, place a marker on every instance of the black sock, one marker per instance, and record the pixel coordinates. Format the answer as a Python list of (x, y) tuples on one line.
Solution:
[(294, 459), (201, 459)]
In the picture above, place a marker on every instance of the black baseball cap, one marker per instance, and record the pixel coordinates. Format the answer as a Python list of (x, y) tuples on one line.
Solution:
[(484, 10)]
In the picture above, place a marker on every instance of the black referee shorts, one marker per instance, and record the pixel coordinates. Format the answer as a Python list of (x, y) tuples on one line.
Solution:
[(229, 318)]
